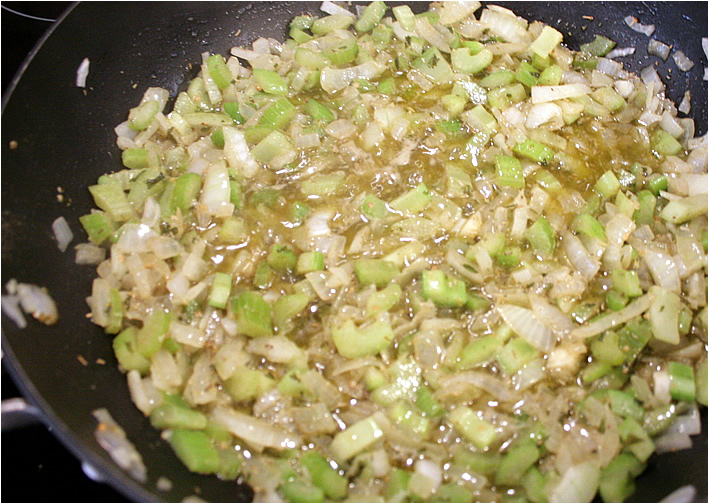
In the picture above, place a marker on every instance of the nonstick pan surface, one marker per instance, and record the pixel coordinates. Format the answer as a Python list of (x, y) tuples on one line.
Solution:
[(64, 141)]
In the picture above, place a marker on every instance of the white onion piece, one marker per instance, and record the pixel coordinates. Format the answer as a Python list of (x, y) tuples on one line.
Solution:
[(542, 94), (89, 254), (663, 269), (620, 52), (682, 61), (237, 153), (659, 49), (583, 261), (685, 105), (578, 484), (542, 113), (255, 432), (454, 12), (35, 300), (672, 442), (114, 440), (82, 73), (525, 324), (504, 23), (430, 34), (62, 233), (685, 494), (276, 349), (216, 191), (636, 308), (633, 23), (335, 79), (332, 9), (11, 308)]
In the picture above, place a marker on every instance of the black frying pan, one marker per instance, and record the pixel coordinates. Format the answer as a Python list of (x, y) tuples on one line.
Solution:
[(64, 139)]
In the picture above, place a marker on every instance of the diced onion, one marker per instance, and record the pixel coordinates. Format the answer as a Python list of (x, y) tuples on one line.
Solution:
[(62, 233)]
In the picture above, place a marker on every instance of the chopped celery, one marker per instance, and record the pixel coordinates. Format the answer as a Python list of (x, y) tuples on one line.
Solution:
[(515, 462), (354, 342), (126, 351), (476, 430), (318, 111), (173, 415), (607, 185), (443, 290), (334, 485), (220, 290), (478, 351), (310, 261), (515, 354), (586, 224), (195, 450), (343, 52), (599, 46), (253, 314), (328, 24), (509, 172), (141, 116), (384, 299), (465, 60), (373, 207), (219, 71), (111, 199), (413, 201), (665, 144), (356, 438), (187, 187), (154, 330), (98, 225), (135, 158), (270, 81), (541, 237), (505, 96), (375, 271), (370, 17), (536, 151), (282, 257), (288, 306), (682, 382)]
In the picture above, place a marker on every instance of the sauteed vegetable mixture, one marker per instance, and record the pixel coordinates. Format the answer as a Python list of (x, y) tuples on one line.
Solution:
[(407, 257)]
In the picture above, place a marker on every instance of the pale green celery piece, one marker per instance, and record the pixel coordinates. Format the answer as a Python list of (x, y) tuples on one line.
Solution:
[(412, 202), (355, 439), (509, 172), (323, 184), (546, 41), (383, 300), (111, 199), (355, 342), (372, 15), (607, 185), (140, 117), (233, 231), (466, 61), (288, 306), (682, 210), (478, 431), (220, 290), (609, 98), (328, 24), (310, 261), (433, 64), (272, 146), (246, 384), (220, 73)]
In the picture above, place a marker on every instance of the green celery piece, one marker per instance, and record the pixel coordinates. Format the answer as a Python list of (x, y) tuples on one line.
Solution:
[(334, 485), (171, 415), (600, 46), (383, 300), (542, 237), (607, 349), (220, 73), (682, 382), (111, 199), (514, 355), (478, 351), (309, 262), (298, 212), (535, 485), (140, 117), (253, 314), (375, 271), (115, 312), (343, 52), (282, 257), (609, 98), (433, 64), (509, 172), (466, 60), (233, 231), (665, 144), (275, 144), (232, 109), (499, 78), (264, 275), (607, 185), (414, 201), (278, 114), (443, 290), (404, 415), (617, 479), (658, 182), (702, 382), (373, 207), (682, 210), (427, 403), (323, 184), (302, 22), (195, 450), (371, 16), (98, 226), (485, 463), (527, 74), (586, 224), (354, 342), (230, 462), (220, 290), (153, 332), (550, 76), (356, 438), (187, 187), (135, 158), (327, 24), (125, 349), (319, 112), (624, 405), (536, 151), (516, 462), (478, 431), (505, 96), (311, 59), (509, 257), (217, 138), (270, 81), (546, 42), (247, 384), (289, 306), (626, 282)]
